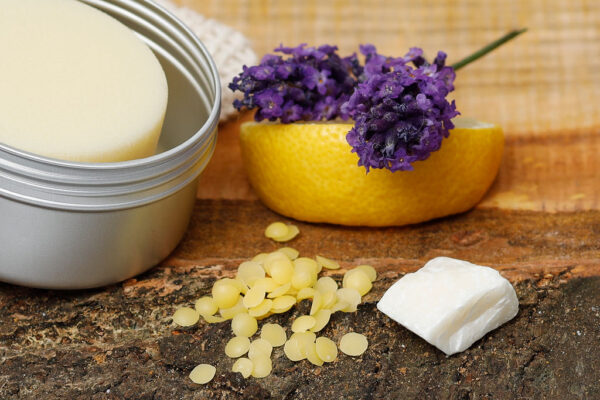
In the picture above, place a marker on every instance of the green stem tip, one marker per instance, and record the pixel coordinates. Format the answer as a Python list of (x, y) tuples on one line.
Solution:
[(492, 46)]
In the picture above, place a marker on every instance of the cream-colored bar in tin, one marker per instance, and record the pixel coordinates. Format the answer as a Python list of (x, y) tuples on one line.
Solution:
[(76, 84)]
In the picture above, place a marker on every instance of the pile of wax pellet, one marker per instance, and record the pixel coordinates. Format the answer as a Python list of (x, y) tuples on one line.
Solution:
[(272, 283)]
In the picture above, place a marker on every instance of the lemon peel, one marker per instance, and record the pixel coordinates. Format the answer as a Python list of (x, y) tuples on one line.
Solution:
[(307, 171)]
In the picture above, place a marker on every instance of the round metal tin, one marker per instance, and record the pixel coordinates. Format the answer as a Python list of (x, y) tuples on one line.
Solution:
[(69, 225)]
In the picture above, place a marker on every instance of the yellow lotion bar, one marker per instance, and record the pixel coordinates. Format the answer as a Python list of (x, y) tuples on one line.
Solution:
[(76, 84)]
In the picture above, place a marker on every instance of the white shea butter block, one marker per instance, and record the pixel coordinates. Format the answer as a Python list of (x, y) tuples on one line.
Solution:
[(76, 84), (451, 303)]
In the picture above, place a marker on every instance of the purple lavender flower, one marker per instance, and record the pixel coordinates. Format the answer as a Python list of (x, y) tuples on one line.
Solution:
[(401, 113), (309, 83), (269, 102)]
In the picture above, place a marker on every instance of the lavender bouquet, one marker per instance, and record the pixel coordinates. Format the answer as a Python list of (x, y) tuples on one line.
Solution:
[(399, 105)]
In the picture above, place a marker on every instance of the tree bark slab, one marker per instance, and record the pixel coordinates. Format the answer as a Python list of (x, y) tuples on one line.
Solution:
[(118, 342)]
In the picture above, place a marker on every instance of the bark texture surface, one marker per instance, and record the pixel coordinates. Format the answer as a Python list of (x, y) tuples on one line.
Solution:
[(118, 342)]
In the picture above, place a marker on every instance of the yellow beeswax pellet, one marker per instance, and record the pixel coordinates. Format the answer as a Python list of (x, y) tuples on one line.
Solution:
[(292, 291), (293, 231), (283, 304), (244, 325), (311, 354), (262, 366), (202, 374), (327, 263), (254, 296), (249, 271), (303, 278), (280, 291), (290, 252), (350, 296), (267, 315), (259, 347), (303, 323), (213, 319), (326, 284), (305, 293), (244, 366), (292, 351), (305, 262), (276, 229), (186, 316), (267, 284), (260, 258), (281, 270), (226, 293), (231, 281), (329, 299), (240, 285), (206, 306), (369, 270), (304, 339), (353, 344), (326, 349), (271, 258), (340, 305), (321, 320), (237, 346), (274, 334), (358, 280), (262, 309), (231, 312), (317, 303)]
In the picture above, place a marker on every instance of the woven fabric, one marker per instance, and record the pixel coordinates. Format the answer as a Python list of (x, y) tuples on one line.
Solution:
[(230, 49)]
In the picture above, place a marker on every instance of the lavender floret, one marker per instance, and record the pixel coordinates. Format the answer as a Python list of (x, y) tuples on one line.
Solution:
[(309, 83), (400, 111)]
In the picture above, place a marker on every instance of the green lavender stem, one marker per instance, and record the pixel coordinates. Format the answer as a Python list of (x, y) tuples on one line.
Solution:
[(483, 51)]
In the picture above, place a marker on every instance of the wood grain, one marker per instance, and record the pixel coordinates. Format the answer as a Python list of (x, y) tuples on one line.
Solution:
[(543, 88), (520, 244)]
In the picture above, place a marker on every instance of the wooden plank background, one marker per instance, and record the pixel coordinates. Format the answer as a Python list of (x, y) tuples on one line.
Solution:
[(543, 88)]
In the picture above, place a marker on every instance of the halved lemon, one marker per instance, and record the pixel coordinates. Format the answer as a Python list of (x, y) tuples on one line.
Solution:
[(307, 171)]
